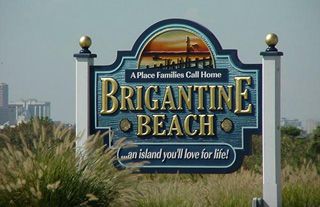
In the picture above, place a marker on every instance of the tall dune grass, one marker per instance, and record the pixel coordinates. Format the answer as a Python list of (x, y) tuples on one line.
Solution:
[(46, 172), (300, 188), (235, 189), (39, 167)]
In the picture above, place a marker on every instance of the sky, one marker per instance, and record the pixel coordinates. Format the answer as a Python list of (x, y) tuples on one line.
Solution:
[(39, 37)]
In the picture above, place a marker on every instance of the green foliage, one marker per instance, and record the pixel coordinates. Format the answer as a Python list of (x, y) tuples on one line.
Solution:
[(314, 148), (295, 152), (315, 143), (254, 162), (47, 172), (290, 131)]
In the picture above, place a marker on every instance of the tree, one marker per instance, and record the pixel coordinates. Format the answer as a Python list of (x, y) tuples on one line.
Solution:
[(290, 131)]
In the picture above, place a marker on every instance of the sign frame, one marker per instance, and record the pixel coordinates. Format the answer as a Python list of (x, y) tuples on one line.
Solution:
[(233, 57)]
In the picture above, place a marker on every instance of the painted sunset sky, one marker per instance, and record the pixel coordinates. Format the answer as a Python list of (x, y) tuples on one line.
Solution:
[(175, 41), (173, 45)]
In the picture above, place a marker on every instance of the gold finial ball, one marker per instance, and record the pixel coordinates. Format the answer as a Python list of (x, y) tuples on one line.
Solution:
[(271, 39), (85, 42)]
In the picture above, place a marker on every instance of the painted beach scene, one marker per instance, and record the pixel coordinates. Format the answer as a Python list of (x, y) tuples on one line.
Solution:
[(176, 49)]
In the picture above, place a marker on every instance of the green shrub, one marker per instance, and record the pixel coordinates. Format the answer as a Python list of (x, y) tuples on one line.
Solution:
[(295, 152), (46, 172), (254, 162), (290, 131)]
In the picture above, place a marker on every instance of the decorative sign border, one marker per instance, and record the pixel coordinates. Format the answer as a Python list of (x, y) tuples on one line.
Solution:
[(215, 47)]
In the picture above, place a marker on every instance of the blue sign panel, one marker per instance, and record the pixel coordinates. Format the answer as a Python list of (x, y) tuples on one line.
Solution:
[(182, 102)]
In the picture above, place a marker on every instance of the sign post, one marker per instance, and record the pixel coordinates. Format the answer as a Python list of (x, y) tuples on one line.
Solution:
[(271, 123), (84, 59)]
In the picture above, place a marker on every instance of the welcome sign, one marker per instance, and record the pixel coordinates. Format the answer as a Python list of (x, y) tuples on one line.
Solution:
[(185, 103)]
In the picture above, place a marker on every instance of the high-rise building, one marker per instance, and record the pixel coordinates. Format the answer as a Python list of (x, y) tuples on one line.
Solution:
[(4, 94), (4, 115)]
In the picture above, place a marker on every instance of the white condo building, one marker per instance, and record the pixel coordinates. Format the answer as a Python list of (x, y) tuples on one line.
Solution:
[(311, 125), (15, 113), (291, 122), (26, 109)]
